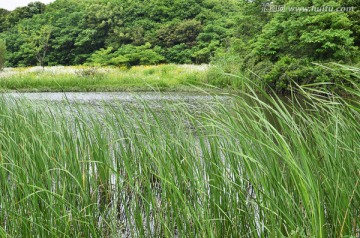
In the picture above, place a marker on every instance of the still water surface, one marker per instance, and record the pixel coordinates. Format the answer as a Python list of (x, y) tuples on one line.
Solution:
[(153, 99)]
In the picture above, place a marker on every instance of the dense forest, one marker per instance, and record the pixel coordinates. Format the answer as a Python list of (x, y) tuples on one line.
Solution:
[(238, 35)]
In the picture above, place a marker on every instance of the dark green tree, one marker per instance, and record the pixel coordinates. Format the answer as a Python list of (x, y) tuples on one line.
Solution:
[(179, 32), (3, 19), (26, 12), (37, 42)]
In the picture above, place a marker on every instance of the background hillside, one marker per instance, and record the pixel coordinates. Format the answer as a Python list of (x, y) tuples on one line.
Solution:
[(236, 35)]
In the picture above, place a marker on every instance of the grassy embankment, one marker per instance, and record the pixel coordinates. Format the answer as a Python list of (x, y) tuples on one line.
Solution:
[(82, 78), (227, 173)]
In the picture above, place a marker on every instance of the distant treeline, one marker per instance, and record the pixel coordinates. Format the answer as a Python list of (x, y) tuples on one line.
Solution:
[(117, 32), (241, 36)]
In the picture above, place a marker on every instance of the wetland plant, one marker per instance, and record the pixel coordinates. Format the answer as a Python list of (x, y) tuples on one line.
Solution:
[(256, 168)]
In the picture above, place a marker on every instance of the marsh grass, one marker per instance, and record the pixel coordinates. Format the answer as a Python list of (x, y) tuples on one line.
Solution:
[(257, 167), (82, 78)]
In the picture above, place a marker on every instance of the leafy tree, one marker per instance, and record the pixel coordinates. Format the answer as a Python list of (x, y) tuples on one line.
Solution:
[(3, 18), (72, 41), (19, 51), (26, 12), (180, 53), (103, 19), (204, 54), (37, 42), (179, 32)]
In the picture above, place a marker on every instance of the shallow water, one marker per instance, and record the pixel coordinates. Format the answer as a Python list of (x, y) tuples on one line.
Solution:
[(122, 98), (114, 96)]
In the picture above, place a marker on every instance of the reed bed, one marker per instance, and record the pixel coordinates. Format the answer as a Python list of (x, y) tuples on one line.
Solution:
[(257, 167)]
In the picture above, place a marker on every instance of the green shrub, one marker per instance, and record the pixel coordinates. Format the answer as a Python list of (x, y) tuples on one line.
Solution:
[(127, 55), (180, 54), (179, 32), (289, 71)]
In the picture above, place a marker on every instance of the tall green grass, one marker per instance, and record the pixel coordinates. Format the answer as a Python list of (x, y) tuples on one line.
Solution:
[(258, 167), (81, 78)]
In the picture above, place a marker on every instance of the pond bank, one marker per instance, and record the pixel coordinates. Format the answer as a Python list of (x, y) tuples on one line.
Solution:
[(168, 77)]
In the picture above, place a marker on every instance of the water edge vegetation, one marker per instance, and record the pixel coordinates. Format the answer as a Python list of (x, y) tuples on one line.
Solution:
[(259, 168), (87, 78)]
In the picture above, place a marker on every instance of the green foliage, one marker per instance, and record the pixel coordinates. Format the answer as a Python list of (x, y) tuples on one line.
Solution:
[(80, 29), (324, 36), (180, 54), (279, 49), (2, 54), (225, 72), (85, 78), (3, 19), (20, 13), (37, 41), (292, 41), (175, 33), (290, 71), (272, 49), (127, 55)]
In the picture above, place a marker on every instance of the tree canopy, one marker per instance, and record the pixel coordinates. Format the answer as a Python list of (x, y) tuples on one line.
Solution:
[(277, 47), (69, 32)]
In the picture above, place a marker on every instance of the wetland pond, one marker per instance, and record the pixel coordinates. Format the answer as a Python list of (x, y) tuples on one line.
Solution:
[(170, 164), (155, 100), (87, 131)]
